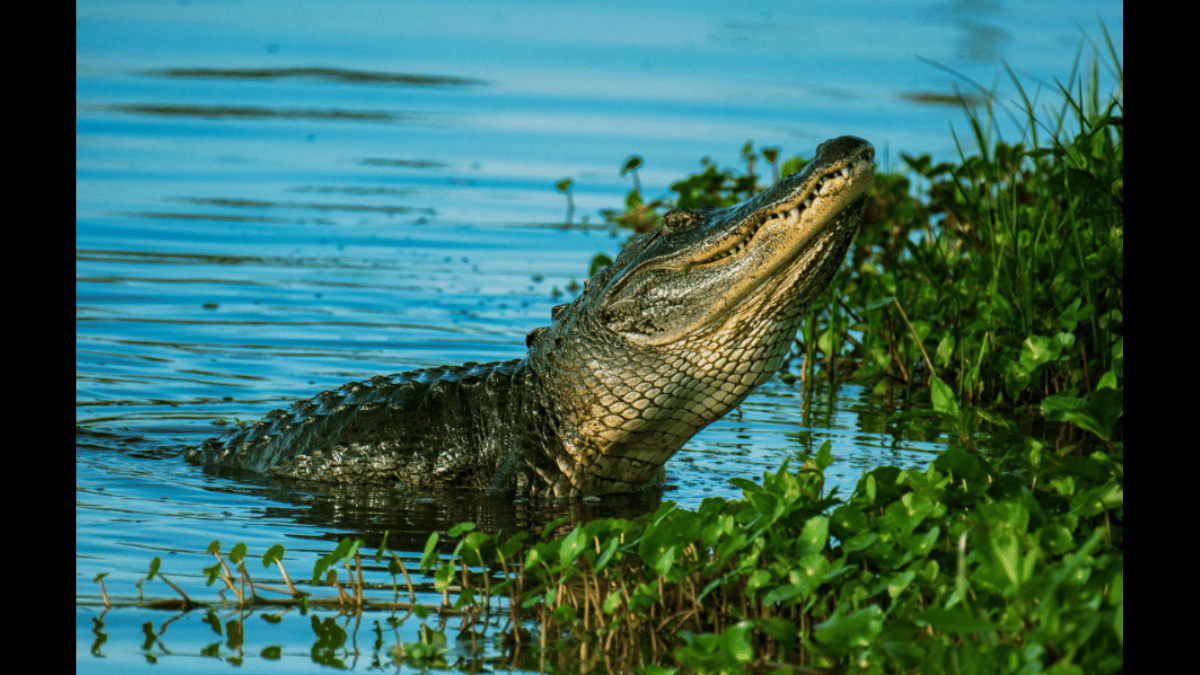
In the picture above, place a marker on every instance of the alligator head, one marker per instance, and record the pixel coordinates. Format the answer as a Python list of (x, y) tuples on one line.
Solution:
[(690, 318)]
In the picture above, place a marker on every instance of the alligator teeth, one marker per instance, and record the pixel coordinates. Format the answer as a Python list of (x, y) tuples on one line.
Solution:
[(794, 213)]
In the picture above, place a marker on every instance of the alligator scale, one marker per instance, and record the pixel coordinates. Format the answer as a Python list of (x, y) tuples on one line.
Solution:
[(675, 333)]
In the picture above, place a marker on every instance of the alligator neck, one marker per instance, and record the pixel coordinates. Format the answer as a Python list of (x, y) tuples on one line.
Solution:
[(691, 317)]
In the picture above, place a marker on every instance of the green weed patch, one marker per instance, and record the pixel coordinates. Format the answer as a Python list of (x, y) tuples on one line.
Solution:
[(1001, 275), (967, 566)]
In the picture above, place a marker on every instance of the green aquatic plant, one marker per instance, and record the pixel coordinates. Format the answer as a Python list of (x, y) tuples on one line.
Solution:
[(1010, 566), (564, 186), (1004, 270)]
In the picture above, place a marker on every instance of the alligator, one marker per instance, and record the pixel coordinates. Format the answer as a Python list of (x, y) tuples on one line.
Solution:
[(672, 335)]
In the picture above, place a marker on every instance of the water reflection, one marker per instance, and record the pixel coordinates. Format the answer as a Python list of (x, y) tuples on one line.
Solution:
[(367, 512)]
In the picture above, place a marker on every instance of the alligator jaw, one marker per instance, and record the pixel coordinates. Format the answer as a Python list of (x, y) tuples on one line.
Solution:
[(800, 207), (727, 256)]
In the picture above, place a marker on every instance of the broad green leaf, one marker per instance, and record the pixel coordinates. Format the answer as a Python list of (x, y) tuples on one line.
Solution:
[(735, 642), (273, 554), (954, 621), (572, 545), (612, 602), (850, 630), (944, 400), (430, 551), (814, 535)]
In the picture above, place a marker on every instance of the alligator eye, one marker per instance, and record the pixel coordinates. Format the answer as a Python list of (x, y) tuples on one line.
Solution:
[(675, 219)]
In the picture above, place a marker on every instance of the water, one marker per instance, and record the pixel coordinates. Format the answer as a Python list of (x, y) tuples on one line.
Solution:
[(246, 239)]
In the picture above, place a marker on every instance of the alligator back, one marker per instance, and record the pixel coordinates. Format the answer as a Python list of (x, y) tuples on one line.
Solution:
[(452, 427)]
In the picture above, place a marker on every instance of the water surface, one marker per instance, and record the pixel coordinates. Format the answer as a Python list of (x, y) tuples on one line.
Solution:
[(273, 199)]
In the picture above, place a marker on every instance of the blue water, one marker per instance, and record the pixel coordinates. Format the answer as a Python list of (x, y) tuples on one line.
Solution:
[(245, 242)]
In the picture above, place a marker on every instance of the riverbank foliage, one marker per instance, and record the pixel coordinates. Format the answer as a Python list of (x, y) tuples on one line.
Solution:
[(1003, 273), (972, 565), (997, 295)]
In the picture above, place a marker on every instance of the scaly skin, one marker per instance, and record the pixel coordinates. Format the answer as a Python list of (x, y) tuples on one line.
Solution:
[(674, 334)]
